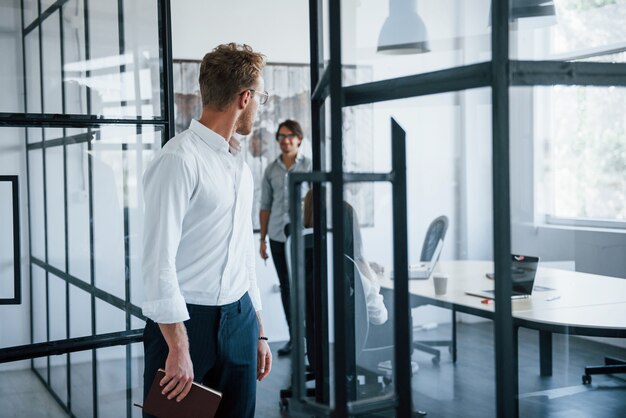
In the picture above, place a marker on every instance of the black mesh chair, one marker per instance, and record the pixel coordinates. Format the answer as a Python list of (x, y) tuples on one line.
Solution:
[(436, 231)]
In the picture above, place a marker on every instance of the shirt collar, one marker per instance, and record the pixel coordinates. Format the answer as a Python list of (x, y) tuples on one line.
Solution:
[(234, 146), (210, 137), (299, 158)]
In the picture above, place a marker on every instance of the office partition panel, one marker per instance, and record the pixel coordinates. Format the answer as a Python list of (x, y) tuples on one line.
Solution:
[(497, 172), (96, 77)]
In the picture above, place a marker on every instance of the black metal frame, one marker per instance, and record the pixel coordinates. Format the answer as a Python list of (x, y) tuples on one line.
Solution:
[(344, 345), (17, 255), (499, 74), (328, 84), (163, 124)]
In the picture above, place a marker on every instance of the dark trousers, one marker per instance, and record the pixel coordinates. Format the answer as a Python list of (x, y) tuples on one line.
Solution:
[(223, 344), (280, 262)]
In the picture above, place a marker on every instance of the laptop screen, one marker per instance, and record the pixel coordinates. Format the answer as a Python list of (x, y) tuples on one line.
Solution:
[(523, 270)]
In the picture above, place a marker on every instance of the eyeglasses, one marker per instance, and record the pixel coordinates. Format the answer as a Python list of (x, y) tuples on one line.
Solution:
[(263, 95), (280, 137)]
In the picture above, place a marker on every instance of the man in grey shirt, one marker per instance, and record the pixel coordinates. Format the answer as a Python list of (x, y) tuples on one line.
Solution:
[(274, 213)]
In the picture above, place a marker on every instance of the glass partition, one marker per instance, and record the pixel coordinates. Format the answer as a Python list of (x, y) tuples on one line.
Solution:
[(95, 59), (80, 193), (568, 30), (567, 191), (449, 196)]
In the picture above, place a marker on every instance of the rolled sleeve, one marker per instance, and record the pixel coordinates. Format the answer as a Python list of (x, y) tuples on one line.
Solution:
[(166, 311), (375, 302), (168, 186)]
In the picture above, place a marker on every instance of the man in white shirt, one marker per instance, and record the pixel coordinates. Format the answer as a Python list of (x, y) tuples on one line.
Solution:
[(201, 293)]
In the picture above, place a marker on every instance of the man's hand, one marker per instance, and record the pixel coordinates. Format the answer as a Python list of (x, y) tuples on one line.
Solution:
[(263, 250), (178, 375), (178, 367), (264, 360)]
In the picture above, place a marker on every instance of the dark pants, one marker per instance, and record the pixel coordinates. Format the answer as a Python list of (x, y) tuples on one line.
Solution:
[(223, 344), (280, 262)]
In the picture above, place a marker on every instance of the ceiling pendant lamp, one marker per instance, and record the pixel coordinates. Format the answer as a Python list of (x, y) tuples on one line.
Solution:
[(404, 31)]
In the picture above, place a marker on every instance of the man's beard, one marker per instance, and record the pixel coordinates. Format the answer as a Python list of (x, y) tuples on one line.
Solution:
[(245, 122)]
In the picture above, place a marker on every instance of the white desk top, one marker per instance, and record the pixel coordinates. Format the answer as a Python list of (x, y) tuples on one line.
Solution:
[(573, 292), (598, 316)]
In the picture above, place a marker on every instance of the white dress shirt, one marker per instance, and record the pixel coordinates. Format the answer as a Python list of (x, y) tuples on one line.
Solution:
[(198, 244)]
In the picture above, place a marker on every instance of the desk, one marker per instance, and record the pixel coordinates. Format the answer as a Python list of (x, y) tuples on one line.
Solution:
[(587, 304)]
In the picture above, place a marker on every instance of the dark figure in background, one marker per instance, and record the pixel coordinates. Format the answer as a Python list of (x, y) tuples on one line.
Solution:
[(201, 295), (274, 213), (353, 248)]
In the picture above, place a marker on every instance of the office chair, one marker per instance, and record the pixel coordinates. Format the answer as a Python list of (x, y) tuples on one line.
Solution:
[(368, 354), (436, 231), (611, 366)]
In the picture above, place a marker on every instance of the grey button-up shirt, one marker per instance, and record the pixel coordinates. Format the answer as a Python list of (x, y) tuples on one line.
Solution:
[(275, 194)]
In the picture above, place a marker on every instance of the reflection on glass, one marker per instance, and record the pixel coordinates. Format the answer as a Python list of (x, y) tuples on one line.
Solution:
[(80, 312), (111, 370), (99, 78), (78, 206), (108, 213), (109, 318), (567, 29), (51, 64), (30, 8), (55, 207), (117, 193), (57, 308), (82, 381), (33, 70), (11, 68), (39, 304), (58, 377), (35, 197)]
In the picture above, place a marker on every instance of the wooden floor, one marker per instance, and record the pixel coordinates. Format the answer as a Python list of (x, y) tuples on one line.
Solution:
[(464, 389)]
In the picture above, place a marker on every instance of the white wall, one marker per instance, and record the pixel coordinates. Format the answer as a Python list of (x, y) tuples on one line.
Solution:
[(277, 28)]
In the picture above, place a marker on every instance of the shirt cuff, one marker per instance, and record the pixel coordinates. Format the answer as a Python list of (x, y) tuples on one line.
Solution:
[(166, 311)]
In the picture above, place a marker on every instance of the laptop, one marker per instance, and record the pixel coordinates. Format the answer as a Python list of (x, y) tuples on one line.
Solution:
[(523, 272), (424, 269)]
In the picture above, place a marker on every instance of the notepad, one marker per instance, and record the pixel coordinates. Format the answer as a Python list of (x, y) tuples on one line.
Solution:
[(200, 402)]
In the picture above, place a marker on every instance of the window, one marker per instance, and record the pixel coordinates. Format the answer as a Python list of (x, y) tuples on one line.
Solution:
[(580, 136), (585, 153)]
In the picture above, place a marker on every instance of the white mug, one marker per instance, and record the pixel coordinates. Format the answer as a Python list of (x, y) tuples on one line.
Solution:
[(441, 283)]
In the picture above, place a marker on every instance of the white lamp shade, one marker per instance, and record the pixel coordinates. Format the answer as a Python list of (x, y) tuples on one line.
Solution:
[(403, 32)]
